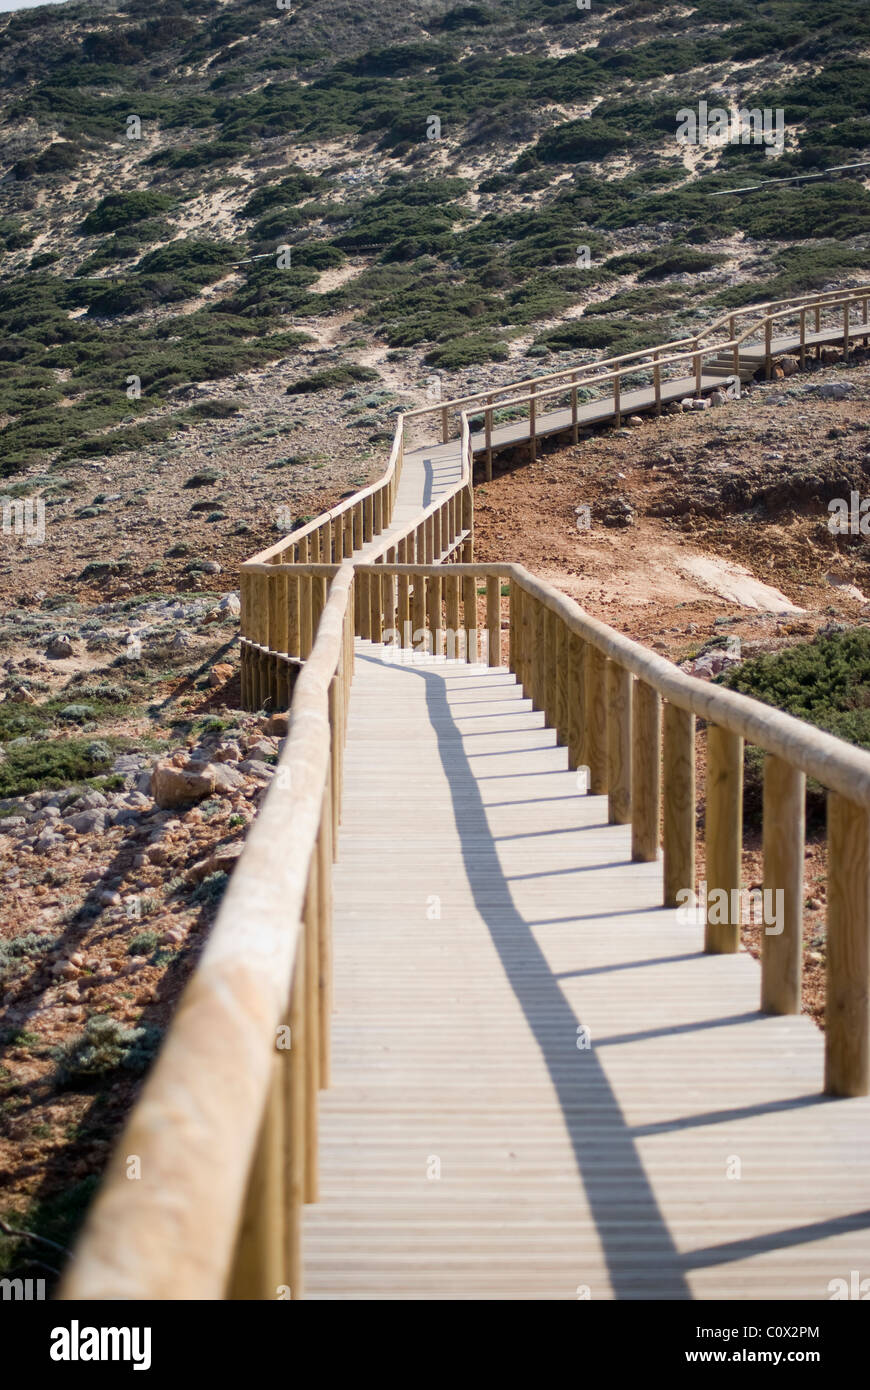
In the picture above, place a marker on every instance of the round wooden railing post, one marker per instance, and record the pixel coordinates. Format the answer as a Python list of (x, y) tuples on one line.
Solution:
[(618, 744), (312, 1024), (515, 655), (781, 949), (562, 689), (292, 617), (533, 443), (469, 614), (617, 400), (847, 1056), (245, 587), (488, 435), (596, 720), (455, 642), (577, 738), (418, 613), (403, 598), (376, 631), (295, 1110), (434, 587), (259, 1268), (646, 773), (324, 934), (724, 839), (306, 625), (532, 649), (768, 359), (678, 791), (493, 620)]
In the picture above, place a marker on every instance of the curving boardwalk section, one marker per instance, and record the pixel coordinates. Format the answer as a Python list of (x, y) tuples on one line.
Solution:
[(511, 1072), (484, 913)]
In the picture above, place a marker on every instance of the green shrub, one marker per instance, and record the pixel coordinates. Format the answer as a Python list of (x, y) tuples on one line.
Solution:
[(47, 764), (105, 1046), (124, 210), (331, 378), (825, 682), (20, 954), (57, 158)]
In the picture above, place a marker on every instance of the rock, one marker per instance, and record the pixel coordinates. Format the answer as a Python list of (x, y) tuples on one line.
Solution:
[(635, 419), (226, 778), (617, 511), (60, 645), (711, 663), (829, 355), (788, 365), (219, 674), (223, 860), (227, 752), (262, 748), (831, 390), (89, 801), (254, 768), (210, 567), (718, 397), (47, 841), (701, 404), (174, 786), (181, 642), (21, 696), (278, 724), (230, 603), (86, 822), (674, 408)]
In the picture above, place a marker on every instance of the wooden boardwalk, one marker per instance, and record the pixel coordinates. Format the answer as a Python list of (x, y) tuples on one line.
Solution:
[(486, 914)]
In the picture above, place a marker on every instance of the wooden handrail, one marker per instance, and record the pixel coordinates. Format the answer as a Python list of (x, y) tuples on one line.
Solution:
[(656, 360), (210, 1126), (629, 717), (460, 402), (386, 484)]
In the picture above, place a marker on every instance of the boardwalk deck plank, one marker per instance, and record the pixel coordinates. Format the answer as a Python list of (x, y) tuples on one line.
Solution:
[(455, 1038)]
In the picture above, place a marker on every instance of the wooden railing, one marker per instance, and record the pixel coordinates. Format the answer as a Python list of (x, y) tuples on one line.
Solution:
[(335, 535), (629, 718), (654, 364), (225, 1132), (282, 598)]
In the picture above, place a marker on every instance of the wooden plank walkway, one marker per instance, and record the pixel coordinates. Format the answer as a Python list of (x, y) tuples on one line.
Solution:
[(441, 461), (484, 912)]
